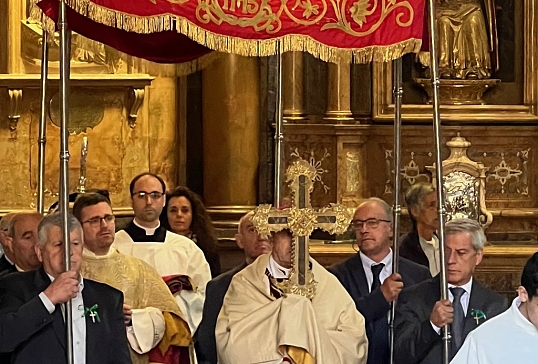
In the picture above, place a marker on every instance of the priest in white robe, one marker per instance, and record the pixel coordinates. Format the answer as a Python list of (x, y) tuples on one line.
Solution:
[(177, 259), (257, 324), (511, 337), (156, 329)]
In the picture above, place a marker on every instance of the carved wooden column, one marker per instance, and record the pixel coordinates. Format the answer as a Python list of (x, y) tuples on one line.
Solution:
[(338, 94), (292, 78), (230, 104)]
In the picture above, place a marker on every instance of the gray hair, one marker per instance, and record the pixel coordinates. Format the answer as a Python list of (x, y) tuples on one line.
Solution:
[(386, 207), (470, 226), (5, 222), (55, 219), (415, 196), (14, 218)]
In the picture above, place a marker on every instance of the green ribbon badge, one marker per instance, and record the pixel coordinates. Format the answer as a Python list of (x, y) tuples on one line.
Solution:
[(92, 312), (478, 315)]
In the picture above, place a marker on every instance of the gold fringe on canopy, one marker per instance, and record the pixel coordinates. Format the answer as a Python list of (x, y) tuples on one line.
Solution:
[(240, 46)]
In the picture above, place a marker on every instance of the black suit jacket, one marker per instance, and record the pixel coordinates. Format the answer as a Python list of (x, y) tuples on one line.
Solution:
[(205, 345), (32, 335), (6, 267), (410, 248), (373, 306), (416, 340)]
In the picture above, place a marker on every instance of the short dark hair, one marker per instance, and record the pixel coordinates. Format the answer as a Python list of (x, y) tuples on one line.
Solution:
[(529, 277), (137, 177), (414, 197), (88, 199)]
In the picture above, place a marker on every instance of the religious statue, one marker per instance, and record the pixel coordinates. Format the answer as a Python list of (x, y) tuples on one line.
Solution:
[(467, 38)]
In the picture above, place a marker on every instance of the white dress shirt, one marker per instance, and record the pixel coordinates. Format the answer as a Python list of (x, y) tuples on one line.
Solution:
[(367, 266), (431, 249), (464, 300), (79, 321)]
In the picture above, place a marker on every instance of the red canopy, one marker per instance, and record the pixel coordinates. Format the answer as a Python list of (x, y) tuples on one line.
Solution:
[(157, 30)]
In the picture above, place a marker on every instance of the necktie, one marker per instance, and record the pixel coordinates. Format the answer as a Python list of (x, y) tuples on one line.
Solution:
[(376, 270), (378, 351), (459, 318)]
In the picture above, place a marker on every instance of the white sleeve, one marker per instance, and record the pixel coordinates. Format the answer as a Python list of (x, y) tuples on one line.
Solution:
[(468, 352), (147, 329)]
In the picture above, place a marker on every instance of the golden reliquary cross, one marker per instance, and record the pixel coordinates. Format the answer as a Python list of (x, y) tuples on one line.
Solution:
[(301, 219)]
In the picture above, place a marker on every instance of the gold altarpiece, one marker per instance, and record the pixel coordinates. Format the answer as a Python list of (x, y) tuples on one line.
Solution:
[(128, 108), (339, 117)]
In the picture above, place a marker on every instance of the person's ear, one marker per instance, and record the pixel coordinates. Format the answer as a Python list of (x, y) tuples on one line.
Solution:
[(39, 254), (479, 256), (238, 241), (522, 294)]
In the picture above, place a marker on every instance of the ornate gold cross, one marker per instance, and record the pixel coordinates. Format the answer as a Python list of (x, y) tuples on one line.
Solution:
[(301, 219)]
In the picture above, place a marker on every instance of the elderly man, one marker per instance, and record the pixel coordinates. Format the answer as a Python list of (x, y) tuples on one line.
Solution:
[(511, 337), (7, 261), (420, 313), (368, 277), (31, 316), (421, 244), (154, 321), (258, 324), (22, 232), (254, 245), (176, 258)]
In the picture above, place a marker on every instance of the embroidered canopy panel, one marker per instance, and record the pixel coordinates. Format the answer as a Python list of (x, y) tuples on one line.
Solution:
[(351, 30)]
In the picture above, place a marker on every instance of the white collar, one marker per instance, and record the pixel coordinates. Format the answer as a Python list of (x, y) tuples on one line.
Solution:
[(149, 231), (81, 283), (467, 286), (367, 262), (87, 253), (276, 270), (521, 320)]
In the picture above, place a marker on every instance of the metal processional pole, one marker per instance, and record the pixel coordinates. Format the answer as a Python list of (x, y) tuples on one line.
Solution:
[(42, 123), (65, 48), (396, 209), (279, 135), (434, 70)]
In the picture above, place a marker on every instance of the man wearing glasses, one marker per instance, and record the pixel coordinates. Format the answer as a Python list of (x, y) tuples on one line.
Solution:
[(368, 277), (152, 316), (177, 259)]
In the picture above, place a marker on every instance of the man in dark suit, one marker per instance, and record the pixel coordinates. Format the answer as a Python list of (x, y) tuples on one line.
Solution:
[(7, 261), (368, 277), (254, 245), (420, 314), (421, 245), (32, 324)]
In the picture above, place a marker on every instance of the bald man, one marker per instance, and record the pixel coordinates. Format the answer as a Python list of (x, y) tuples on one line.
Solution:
[(368, 277), (253, 245), (22, 233), (7, 261)]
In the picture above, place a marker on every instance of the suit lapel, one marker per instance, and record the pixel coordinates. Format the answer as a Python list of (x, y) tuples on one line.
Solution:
[(358, 276), (476, 302), (42, 281), (89, 299)]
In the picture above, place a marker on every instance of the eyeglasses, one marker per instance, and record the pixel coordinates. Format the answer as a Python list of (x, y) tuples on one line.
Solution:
[(154, 195), (96, 221), (369, 223)]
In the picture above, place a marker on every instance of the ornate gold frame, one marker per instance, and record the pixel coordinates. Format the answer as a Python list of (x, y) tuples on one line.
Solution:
[(383, 107)]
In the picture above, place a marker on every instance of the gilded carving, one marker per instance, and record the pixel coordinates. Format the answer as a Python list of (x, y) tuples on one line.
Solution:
[(15, 97), (318, 166), (504, 172), (86, 110), (352, 171)]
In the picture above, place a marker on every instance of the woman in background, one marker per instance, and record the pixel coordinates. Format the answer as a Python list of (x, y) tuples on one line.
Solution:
[(186, 215)]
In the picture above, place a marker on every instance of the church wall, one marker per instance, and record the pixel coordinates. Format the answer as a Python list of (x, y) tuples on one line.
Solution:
[(126, 107)]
